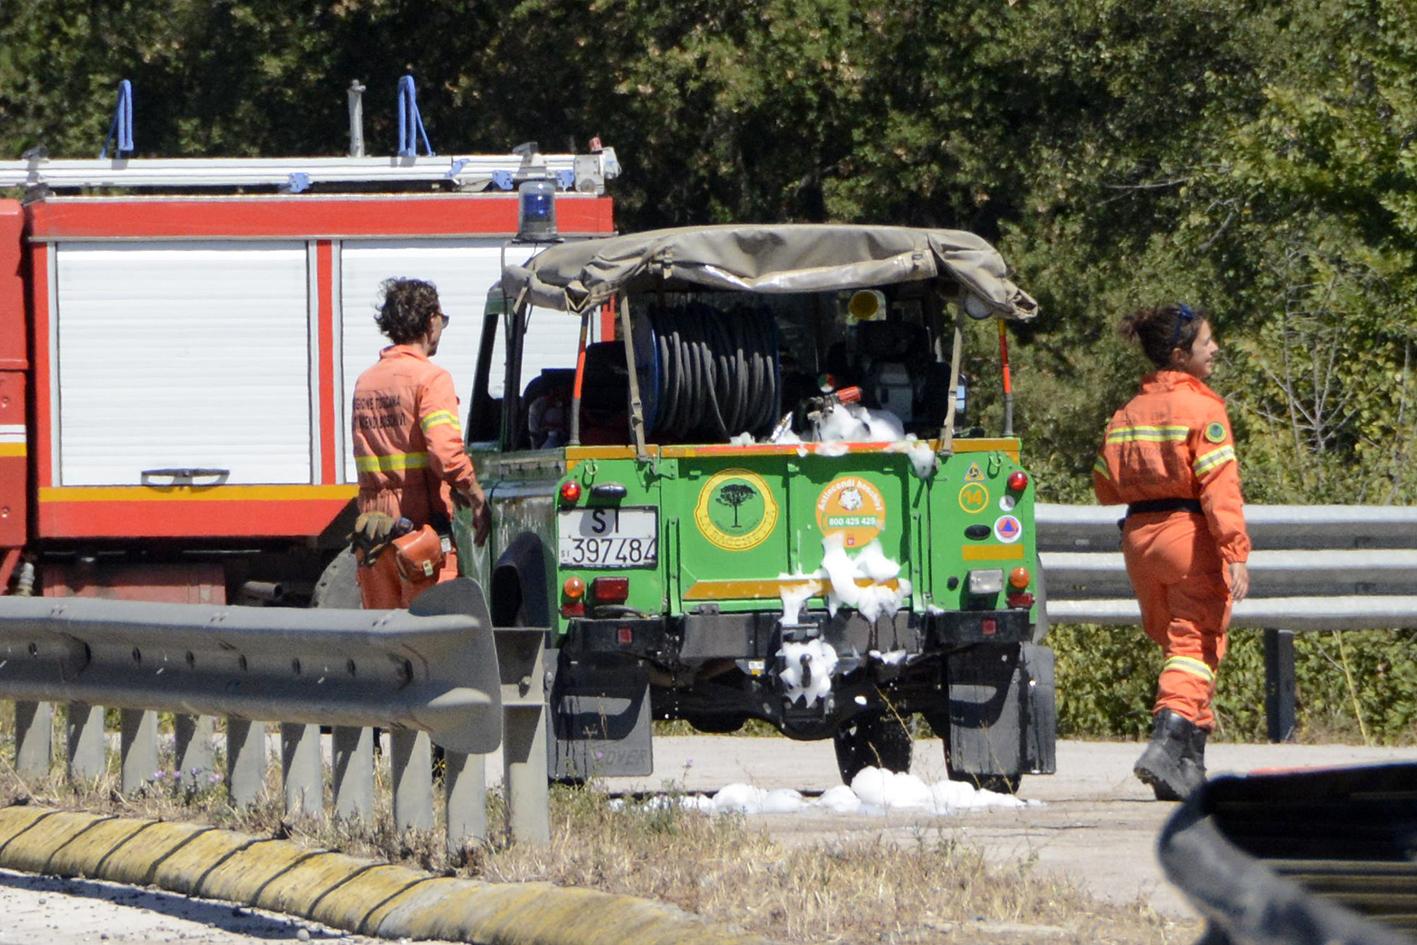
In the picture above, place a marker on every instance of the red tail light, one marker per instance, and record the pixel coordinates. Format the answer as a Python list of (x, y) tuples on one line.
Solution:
[(609, 590), (1023, 601), (570, 491), (1018, 480)]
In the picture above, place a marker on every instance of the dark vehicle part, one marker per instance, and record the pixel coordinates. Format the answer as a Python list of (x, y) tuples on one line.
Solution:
[(872, 740), (1302, 858)]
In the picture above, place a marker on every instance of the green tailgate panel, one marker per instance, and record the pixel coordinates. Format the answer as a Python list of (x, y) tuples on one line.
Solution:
[(748, 519)]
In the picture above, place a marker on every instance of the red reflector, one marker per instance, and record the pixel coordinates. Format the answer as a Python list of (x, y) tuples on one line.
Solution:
[(570, 491), (610, 590), (988, 626), (574, 609), (1018, 480), (1021, 600), (624, 636)]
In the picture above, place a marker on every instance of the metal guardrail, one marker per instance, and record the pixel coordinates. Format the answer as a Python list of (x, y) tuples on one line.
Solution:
[(432, 671), (1319, 567)]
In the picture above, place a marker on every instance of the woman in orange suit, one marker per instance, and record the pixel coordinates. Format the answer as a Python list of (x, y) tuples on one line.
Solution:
[(1170, 455)]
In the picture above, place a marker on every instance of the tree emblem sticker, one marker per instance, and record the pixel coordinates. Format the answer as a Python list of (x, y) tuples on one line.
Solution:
[(736, 510), (853, 506)]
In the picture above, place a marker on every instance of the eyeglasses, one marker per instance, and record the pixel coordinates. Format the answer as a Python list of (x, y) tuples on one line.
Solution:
[(1184, 316)]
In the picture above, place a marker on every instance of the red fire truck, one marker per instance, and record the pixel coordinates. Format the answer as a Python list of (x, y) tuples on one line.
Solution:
[(177, 354)]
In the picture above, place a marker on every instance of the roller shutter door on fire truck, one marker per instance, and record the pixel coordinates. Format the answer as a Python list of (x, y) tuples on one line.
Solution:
[(463, 271), (182, 356)]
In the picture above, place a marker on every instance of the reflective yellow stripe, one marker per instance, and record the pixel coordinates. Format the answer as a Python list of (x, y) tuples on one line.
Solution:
[(1208, 461), (438, 418), (391, 463), (1190, 665), (1100, 467), (1149, 434)]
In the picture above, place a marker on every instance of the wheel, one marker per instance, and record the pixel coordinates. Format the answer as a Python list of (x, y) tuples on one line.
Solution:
[(872, 741), (998, 783), (337, 586)]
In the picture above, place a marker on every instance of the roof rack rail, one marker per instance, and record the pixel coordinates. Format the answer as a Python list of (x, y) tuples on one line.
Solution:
[(585, 173)]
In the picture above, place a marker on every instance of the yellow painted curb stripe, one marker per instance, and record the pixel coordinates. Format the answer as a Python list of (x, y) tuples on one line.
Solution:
[(223, 493), (338, 890), (991, 552)]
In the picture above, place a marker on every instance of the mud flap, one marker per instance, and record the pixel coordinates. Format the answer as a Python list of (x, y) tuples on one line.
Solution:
[(1002, 716), (600, 719)]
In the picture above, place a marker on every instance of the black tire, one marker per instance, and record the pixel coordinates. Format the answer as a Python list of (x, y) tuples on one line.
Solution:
[(877, 740), (337, 586), (998, 783)]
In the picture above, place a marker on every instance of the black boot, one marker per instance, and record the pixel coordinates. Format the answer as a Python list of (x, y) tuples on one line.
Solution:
[(1195, 754), (1167, 763)]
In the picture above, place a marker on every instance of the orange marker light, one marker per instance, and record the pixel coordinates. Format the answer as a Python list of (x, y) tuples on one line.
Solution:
[(1019, 578), (574, 588)]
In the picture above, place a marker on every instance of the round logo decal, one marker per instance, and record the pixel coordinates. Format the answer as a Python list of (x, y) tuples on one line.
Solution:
[(854, 507), (1215, 432), (736, 510), (1007, 529), (974, 497)]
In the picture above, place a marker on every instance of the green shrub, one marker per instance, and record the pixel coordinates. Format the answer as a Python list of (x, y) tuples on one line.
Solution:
[(1354, 686)]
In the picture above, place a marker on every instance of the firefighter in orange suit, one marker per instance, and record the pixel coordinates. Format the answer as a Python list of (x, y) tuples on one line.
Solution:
[(408, 449), (1169, 454)]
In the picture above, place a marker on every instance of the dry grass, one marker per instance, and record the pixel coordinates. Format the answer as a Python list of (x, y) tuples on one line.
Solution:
[(927, 889)]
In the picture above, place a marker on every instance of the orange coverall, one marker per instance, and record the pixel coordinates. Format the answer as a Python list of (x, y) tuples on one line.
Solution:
[(408, 451), (1173, 441)]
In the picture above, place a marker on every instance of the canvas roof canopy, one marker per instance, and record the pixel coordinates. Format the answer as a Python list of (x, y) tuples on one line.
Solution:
[(778, 259)]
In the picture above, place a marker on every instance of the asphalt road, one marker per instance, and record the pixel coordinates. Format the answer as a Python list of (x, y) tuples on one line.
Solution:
[(1096, 822)]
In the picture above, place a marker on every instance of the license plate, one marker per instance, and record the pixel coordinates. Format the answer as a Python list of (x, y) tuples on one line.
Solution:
[(609, 538)]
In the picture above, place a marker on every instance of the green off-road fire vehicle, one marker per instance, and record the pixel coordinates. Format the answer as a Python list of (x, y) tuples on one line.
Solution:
[(754, 496)]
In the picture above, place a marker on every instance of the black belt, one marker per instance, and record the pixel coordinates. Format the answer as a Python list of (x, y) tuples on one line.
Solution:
[(1164, 505)]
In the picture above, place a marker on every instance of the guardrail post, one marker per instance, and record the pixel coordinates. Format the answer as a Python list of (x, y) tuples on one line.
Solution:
[(352, 751), (137, 748), (411, 757), (34, 738), (465, 791), (1279, 684), (87, 757), (301, 769), (245, 761), (193, 736), (521, 667)]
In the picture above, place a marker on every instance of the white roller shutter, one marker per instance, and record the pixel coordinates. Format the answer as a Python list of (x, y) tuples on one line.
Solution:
[(463, 270), (182, 356)]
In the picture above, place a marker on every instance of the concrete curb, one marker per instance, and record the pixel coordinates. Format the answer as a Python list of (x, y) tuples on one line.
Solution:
[(363, 896)]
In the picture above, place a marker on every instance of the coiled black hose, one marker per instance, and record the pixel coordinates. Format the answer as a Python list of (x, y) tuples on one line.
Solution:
[(718, 373)]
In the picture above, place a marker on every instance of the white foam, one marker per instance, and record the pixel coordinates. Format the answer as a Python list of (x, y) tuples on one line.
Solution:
[(807, 670), (874, 791)]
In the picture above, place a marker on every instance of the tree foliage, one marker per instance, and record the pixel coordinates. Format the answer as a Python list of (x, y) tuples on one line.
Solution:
[(1255, 157)]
